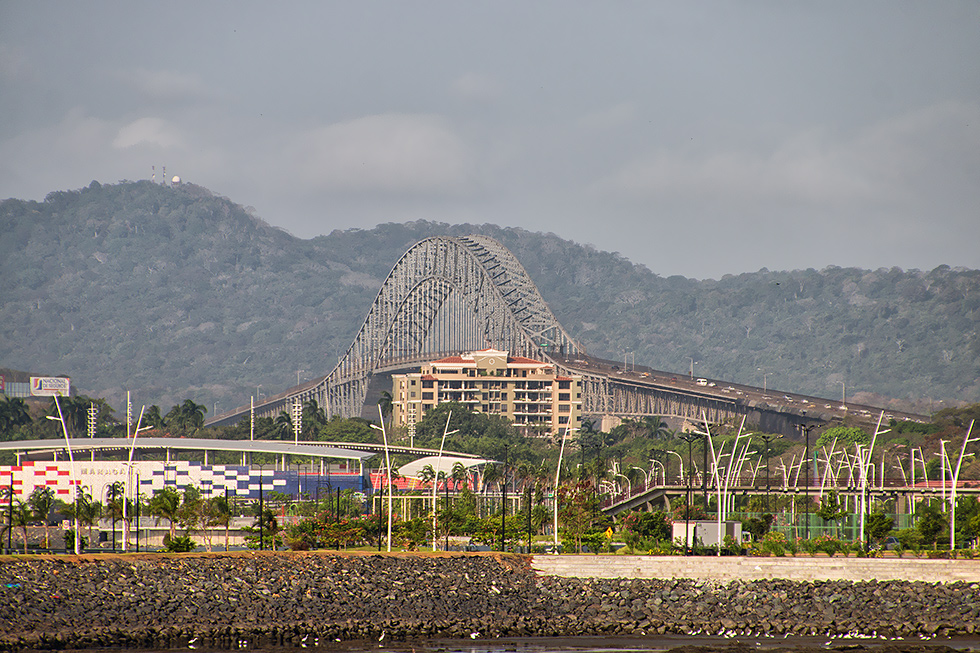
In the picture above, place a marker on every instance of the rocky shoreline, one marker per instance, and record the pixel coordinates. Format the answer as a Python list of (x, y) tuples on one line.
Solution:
[(253, 600)]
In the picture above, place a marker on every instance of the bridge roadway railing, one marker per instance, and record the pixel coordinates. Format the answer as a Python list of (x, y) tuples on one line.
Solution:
[(633, 498)]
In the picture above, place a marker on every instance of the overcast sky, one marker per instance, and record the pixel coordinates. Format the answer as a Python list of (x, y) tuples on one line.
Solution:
[(697, 138)]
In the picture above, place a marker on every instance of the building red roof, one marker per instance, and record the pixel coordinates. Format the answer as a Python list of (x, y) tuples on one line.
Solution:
[(524, 361), (455, 360)]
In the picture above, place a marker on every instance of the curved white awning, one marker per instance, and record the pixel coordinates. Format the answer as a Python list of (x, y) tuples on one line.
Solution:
[(444, 465)]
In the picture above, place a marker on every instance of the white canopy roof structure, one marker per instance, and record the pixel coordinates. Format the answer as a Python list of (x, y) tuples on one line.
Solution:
[(440, 466)]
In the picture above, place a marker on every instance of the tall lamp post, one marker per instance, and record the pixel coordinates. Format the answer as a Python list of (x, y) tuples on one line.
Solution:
[(865, 463), (956, 475), (435, 480), (74, 476), (767, 438), (806, 428), (129, 474), (561, 453), (503, 506), (384, 435), (689, 438)]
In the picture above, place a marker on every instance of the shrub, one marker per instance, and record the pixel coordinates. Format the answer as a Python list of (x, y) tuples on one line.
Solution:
[(180, 544), (774, 543)]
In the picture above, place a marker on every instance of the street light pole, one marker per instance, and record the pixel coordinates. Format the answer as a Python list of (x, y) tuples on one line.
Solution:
[(74, 476), (956, 475), (129, 474), (435, 480), (561, 453), (689, 438), (767, 439), (806, 428), (384, 435), (503, 507)]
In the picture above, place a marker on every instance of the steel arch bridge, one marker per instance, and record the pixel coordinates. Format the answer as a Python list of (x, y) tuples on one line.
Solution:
[(444, 295), (448, 295)]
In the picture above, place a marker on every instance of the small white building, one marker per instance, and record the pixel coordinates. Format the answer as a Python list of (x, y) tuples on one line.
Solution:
[(706, 531)]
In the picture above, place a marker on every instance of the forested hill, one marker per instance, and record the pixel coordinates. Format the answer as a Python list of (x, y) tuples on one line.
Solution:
[(176, 293)]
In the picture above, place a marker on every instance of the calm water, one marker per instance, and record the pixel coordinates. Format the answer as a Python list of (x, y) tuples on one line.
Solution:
[(609, 645)]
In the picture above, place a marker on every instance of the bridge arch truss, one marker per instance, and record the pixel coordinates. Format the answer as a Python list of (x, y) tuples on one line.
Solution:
[(445, 295)]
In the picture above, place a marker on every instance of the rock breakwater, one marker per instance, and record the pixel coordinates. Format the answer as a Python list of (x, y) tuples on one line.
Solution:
[(252, 600)]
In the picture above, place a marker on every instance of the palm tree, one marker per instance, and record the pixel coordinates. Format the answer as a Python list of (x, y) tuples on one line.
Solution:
[(41, 502), (186, 416), (153, 418), (491, 476), (14, 412), (89, 511), (386, 402), (313, 417), (283, 426), (20, 516), (165, 504), (114, 505), (459, 475), (656, 427), (427, 473)]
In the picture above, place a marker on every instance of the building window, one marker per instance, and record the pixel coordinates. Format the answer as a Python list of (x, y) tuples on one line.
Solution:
[(426, 396), (427, 384), (564, 385), (564, 396), (563, 408), (563, 420), (412, 394)]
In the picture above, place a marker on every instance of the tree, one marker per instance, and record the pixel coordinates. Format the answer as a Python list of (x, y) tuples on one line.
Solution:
[(14, 412), (649, 525), (41, 502), (89, 511), (386, 402), (283, 426), (832, 510), (459, 475), (932, 523), (115, 495), (187, 416), (18, 515), (313, 418), (576, 506), (844, 435), (877, 526), (153, 418), (656, 427), (216, 512), (165, 504), (191, 509), (266, 524), (758, 527)]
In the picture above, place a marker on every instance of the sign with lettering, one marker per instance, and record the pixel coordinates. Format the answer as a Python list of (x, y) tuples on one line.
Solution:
[(49, 386)]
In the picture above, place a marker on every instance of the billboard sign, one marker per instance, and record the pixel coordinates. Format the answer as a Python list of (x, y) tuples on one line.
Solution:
[(49, 386)]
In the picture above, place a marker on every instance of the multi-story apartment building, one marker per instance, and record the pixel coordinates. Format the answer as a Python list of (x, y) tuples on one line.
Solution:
[(526, 391)]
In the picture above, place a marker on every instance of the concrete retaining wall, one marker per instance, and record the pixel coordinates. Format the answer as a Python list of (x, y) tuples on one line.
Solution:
[(727, 569)]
